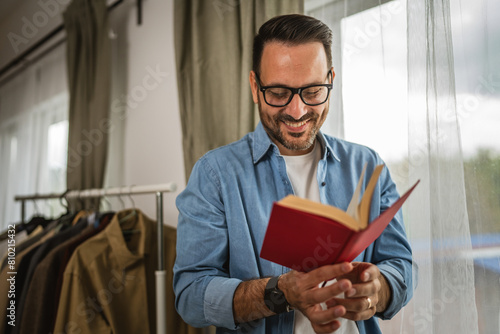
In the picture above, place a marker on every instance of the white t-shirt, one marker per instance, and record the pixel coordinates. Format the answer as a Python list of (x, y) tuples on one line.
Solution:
[(302, 172)]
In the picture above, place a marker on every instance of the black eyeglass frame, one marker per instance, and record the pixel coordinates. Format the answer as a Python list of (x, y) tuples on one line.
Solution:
[(294, 91)]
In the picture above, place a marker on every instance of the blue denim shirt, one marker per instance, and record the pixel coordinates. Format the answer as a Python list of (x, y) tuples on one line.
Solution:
[(223, 215)]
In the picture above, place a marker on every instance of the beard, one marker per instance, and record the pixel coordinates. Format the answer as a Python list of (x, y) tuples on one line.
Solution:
[(301, 140)]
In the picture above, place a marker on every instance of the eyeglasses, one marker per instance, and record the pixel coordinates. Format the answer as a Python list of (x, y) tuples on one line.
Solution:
[(280, 96)]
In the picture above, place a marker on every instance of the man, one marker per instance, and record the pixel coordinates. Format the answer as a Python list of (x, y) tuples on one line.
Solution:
[(219, 278)]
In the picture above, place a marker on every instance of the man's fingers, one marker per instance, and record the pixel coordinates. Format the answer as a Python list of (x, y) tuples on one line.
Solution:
[(369, 273), (356, 309), (326, 273), (325, 321), (302, 289), (354, 305), (364, 289), (321, 317), (362, 272), (321, 295)]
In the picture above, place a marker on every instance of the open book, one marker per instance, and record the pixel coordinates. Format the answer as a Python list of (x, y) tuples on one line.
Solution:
[(304, 235)]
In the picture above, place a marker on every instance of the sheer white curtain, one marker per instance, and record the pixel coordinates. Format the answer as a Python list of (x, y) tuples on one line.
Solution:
[(33, 136), (438, 216), (419, 81)]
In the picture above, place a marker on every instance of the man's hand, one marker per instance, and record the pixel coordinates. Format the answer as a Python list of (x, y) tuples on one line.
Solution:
[(370, 292), (303, 292), (358, 281)]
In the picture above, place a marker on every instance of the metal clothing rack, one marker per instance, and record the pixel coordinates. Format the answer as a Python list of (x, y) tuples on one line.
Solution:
[(159, 189)]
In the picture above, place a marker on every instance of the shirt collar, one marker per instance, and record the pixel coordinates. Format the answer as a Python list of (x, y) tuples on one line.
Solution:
[(262, 143), (327, 148), (114, 232)]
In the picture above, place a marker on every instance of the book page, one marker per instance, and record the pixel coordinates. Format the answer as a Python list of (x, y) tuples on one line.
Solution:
[(321, 210), (364, 206), (352, 209)]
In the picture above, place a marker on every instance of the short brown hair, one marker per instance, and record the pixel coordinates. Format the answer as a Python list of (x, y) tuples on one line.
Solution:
[(293, 29)]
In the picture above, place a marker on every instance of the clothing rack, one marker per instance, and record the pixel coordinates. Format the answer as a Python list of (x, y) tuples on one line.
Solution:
[(159, 189)]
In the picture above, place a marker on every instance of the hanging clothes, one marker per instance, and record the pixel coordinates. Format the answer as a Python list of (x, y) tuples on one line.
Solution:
[(38, 255), (39, 313), (4, 243), (35, 236), (109, 282), (21, 257), (95, 274), (21, 269)]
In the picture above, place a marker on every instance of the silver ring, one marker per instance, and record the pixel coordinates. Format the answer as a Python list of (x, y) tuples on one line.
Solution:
[(369, 302)]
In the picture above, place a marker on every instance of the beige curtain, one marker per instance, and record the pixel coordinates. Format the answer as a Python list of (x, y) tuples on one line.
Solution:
[(88, 59), (213, 47)]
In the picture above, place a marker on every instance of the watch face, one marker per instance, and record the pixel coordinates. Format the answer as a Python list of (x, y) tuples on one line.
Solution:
[(278, 297), (274, 298), (276, 301)]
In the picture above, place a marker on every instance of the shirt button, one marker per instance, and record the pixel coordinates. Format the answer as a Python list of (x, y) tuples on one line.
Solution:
[(323, 183)]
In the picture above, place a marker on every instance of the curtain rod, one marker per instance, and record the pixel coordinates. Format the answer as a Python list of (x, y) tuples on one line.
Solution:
[(19, 59), (93, 193)]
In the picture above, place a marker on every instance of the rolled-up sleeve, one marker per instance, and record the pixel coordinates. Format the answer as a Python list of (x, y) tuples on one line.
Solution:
[(219, 306), (203, 290), (399, 290)]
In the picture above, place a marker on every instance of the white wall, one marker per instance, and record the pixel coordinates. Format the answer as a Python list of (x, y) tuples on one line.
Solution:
[(148, 144), (153, 137)]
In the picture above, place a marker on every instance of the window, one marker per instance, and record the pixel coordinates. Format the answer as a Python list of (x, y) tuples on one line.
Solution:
[(476, 32), (370, 106), (57, 154), (33, 135)]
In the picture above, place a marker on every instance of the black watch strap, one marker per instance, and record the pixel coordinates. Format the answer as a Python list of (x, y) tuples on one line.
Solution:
[(274, 298)]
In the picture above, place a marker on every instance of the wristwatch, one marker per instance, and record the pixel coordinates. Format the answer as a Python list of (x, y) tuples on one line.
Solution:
[(274, 298)]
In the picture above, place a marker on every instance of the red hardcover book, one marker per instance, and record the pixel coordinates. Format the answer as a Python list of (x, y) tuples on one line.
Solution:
[(304, 235)]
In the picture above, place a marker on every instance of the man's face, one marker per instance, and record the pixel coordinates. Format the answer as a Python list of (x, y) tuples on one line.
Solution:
[(292, 128)]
